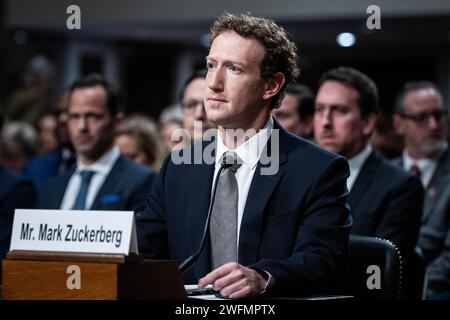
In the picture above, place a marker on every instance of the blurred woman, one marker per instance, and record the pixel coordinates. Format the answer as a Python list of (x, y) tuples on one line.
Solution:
[(138, 139)]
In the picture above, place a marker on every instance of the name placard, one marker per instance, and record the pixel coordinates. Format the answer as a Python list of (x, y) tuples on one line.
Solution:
[(84, 231)]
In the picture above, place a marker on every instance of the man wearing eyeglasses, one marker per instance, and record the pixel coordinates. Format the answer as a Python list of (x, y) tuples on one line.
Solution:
[(421, 119), (194, 115)]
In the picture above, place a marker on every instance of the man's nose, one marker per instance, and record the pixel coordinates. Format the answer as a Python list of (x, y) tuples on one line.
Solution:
[(215, 80)]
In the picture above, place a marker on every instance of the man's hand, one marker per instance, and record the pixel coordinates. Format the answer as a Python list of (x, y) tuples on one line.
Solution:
[(234, 281)]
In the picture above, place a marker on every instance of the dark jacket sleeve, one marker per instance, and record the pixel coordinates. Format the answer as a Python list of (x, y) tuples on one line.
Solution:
[(320, 254), (150, 222), (22, 196)]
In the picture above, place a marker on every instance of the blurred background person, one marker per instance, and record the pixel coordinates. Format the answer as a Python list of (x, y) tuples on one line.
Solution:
[(171, 119), (296, 111), (20, 143), (421, 119), (15, 193), (32, 99), (138, 139), (45, 166), (47, 127), (192, 102), (384, 139)]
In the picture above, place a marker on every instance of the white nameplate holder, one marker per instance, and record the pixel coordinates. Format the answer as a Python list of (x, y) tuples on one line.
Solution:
[(78, 231)]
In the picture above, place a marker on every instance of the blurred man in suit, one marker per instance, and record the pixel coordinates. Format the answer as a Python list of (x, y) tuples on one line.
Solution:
[(269, 232), (420, 118), (385, 202), (15, 193), (296, 111), (103, 179)]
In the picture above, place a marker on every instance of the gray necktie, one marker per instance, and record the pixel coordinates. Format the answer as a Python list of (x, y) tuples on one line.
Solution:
[(224, 215)]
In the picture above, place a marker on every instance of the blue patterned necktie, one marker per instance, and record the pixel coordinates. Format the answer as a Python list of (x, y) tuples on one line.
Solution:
[(80, 201)]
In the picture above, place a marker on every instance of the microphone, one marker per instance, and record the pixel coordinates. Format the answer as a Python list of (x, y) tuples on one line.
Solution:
[(189, 262)]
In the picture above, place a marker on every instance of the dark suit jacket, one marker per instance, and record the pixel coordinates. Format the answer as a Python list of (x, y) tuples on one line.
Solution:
[(41, 168), (125, 188), (434, 236), (386, 202), (15, 193), (295, 224)]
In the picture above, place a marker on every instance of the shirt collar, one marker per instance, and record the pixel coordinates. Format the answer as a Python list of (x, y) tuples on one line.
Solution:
[(250, 151), (357, 161), (423, 163), (103, 165)]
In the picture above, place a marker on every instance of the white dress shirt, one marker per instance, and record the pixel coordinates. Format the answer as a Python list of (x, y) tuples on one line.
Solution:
[(427, 166), (101, 167), (356, 164), (249, 152)]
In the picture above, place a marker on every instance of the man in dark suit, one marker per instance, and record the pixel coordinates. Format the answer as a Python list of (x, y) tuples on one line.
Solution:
[(385, 202), (420, 118), (103, 179), (279, 220), (15, 193)]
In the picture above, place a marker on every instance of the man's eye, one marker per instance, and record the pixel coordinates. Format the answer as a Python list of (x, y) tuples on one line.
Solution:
[(341, 110), (234, 69), (318, 109), (209, 65)]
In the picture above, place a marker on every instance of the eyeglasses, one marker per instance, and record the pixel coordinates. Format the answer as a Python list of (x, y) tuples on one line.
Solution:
[(192, 104), (423, 117)]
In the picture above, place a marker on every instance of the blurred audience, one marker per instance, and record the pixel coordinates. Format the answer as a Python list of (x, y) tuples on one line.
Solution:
[(192, 102), (296, 111), (45, 166), (20, 143), (47, 127), (32, 99), (385, 201), (102, 179), (15, 193), (171, 119), (384, 139), (138, 139), (421, 119)]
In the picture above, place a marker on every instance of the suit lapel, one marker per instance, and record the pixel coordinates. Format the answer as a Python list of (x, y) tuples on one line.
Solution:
[(60, 189), (261, 189), (363, 181), (111, 181), (433, 190)]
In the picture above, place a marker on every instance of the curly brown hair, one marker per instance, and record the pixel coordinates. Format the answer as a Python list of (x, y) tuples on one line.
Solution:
[(280, 52)]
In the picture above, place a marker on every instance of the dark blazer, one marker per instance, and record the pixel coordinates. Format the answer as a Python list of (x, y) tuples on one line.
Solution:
[(295, 224), (386, 202), (43, 167), (434, 236), (15, 193), (125, 188)]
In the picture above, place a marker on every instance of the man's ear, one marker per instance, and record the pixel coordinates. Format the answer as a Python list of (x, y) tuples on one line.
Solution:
[(398, 124), (273, 85), (369, 123)]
